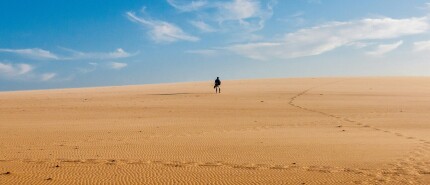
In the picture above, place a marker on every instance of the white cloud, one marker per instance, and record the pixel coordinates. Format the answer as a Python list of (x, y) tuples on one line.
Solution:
[(425, 7), (76, 55), (161, 31), (24, 69), (239, 10), (119, 53), (92, 67), (47, 76), (385, 48), (422, 46), (34, 53), (249, 15), (206, 52), (202, 26), (327, 37), (14, 70), (256, 50), (117, 65), (359, 44), (40, 54), (297, 14), (23, 72), (193, 6), (295, 20)]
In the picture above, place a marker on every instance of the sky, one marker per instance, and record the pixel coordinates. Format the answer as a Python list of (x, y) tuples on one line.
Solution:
[(84, 43)]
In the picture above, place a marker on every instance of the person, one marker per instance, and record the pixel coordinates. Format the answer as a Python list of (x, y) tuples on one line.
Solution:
[(217, 84)]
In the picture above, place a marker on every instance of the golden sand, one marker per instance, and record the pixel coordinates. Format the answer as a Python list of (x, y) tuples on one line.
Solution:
[(273, 131)]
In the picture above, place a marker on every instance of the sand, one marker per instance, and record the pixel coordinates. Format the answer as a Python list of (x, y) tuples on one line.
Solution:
[(271, 131)]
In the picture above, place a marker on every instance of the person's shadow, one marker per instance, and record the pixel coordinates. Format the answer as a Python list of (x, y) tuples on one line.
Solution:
[(173, 94)]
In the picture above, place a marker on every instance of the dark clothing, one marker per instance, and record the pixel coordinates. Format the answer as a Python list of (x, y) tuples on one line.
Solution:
[(217, 82)]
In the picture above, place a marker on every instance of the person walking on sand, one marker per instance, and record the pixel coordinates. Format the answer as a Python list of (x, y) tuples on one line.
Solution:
[(217, 84)]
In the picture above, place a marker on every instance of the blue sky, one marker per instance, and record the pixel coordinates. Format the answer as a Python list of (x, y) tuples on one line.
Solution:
[(83, 43)]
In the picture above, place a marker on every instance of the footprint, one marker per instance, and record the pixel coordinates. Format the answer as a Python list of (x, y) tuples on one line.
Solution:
[(6, 173), (424, 172), (210, 164), (111, 162), (277, 167), (245, 167), (173, 165)]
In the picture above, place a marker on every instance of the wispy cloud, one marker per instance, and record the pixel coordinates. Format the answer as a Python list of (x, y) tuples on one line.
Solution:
[(187, 7), (117, 65), (206, 52), (297, 14), (202, 26), (161, 31), (359, 44), (296, 19), (249, 15), (41, 54), (243, 11), (47, 76), (35, 53), (75, 55), (327, 37), (259, 51), (426, 6), (23, 72), (422, 46), (13, 70), (385, 48)]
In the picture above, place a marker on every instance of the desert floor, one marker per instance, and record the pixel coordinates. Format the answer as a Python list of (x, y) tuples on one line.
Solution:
[(271, 131)]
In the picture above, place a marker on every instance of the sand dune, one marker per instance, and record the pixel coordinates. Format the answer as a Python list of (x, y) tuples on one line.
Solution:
[(273, 131)]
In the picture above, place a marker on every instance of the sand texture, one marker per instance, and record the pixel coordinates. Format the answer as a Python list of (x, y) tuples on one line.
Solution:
[(272, 131)]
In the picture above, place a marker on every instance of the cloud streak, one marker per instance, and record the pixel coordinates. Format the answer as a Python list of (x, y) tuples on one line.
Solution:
[(14, 70), (385, 48), (47, 76), (205, 52), (23, 72), (249, 15), (34, 53), (422, 46), (117, 65), (327, 37), (193, 6), (76, 55), (202, 26), (41, 54), (161, 31)]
